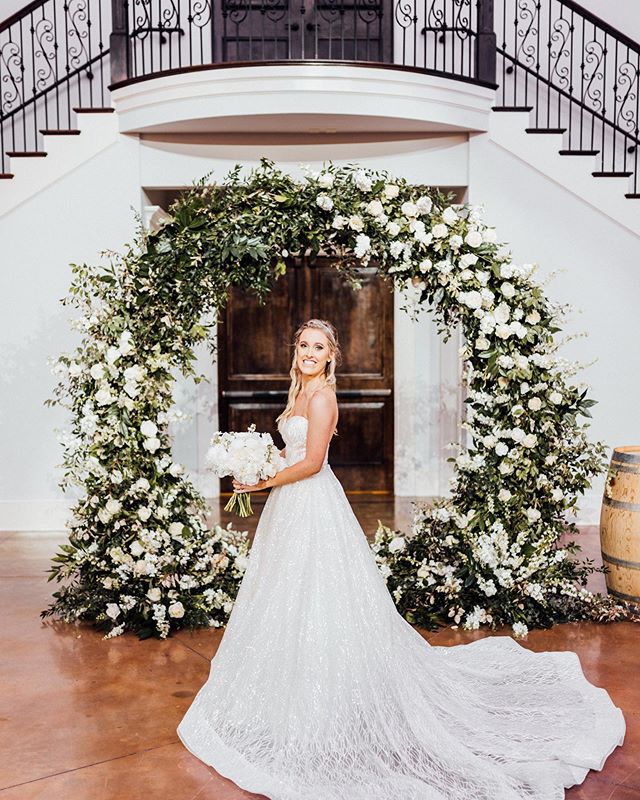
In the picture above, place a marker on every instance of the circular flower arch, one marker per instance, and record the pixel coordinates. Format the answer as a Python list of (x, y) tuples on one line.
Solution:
[(140, 555)]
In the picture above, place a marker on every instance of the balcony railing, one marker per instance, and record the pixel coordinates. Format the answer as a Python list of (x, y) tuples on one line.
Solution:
[(576, 74)]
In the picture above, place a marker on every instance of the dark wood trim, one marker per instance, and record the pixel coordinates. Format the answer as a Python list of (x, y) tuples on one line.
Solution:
[(26, 154), (61, 132)]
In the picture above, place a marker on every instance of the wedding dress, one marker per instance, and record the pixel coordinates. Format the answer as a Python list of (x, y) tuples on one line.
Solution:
[(320, 689)]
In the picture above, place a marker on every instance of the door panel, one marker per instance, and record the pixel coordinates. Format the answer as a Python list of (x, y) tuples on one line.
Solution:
[(254, 358)]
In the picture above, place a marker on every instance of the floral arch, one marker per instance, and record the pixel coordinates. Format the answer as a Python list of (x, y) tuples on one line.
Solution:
[(140, 556)]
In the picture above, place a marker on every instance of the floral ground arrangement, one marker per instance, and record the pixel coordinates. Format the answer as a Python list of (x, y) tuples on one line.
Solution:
[(140, 556)]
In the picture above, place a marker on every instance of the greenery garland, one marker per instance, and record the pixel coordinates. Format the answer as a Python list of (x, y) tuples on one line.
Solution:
[(140, 556)]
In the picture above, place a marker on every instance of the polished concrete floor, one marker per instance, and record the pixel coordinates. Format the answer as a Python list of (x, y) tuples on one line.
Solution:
[(87, 719)]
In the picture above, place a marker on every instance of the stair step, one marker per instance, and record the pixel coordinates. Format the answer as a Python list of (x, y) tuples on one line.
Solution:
[(545, 130), (611, 174), (578, 152), (59, 132), (25, 154), (6, 175), (512, 108), (98, 110), (633, 195)]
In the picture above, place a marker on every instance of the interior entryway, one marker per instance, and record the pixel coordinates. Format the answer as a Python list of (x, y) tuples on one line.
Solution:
[(255, 352)]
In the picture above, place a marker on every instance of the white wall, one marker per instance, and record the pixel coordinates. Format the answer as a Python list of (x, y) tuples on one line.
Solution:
[(547, 225), (71, 221)]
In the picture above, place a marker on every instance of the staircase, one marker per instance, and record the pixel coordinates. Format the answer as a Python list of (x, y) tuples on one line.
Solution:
[(561, 74)]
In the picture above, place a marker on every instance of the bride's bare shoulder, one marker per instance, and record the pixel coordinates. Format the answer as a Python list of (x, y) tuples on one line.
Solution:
[(323, 401)]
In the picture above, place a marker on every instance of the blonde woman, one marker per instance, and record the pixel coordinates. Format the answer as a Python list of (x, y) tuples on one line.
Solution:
[(320, 689)]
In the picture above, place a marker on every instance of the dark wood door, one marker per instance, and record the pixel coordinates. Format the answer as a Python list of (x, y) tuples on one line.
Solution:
[(255, 352), (275, 30)]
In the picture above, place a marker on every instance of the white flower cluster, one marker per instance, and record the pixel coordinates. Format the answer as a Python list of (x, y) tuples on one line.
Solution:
[(247, 455)]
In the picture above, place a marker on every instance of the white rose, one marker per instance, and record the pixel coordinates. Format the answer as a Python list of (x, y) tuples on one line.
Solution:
[(175, 529), (533, 515), (473, 238), (324, 202), (144, 513), (104, 397), (482, 343), (501, 313), (489, 441), (97, 372), (363, 245), (468, 260), (517, 434), (154, 595), (533, 318), (339, 222), (439, 231), (142, 485), (505, 468), (104, 516), (466, 275), (397, 544), (409, 209), (503, 331), (507, 289), (504, 495), (391, 191), (455, 242), (151, 444), (471, 299), (112, 355), (176, 610), (424, 204), (136, 548), (555, 398), (113, 610), (425, 265), (148, 428), (393, 229), (175, 470), (502, 449), (530, 440), (535, 404), (75, 369), (375, 208), (113, 505), (356, 223), (506, 271)]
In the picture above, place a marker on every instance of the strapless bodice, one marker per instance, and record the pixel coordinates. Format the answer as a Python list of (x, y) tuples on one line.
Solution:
[(294, 433)]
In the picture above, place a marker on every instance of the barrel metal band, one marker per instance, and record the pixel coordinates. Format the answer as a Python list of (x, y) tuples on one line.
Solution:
[(632, 598), (628, 457), (626, 468), (620, 561), (608, 501)]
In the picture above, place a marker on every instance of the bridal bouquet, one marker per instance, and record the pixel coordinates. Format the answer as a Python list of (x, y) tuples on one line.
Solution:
[(249, 457)]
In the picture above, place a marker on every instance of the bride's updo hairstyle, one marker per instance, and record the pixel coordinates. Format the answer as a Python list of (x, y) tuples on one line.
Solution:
[(330, 368)]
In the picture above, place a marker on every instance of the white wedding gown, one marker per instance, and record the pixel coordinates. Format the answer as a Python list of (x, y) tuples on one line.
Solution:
[(320, 689)]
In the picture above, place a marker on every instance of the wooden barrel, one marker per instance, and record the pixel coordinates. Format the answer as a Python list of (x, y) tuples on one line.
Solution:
[(620, 524)]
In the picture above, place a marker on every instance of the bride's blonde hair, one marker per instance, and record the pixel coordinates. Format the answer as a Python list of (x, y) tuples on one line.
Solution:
[(330, 368)]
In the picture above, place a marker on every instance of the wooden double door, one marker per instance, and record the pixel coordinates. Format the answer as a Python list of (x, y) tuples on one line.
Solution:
[(255, 349)]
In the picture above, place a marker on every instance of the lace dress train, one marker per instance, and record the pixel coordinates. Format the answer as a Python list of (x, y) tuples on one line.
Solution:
[(320, 690)]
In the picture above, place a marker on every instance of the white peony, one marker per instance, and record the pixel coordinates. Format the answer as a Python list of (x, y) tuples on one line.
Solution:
[(362, 180), (324, 202), (325, 180), (504, 495), (555, 398), (393, 229), (502, 449), (535, 404), (391, 191), (468, 260), (356, 223), (339, 222), (375, 208), (397, 544), (136, 548), (482, 344), (425, 265), (533, 318), (530, 440), (439, 231), (113, 610), (501, 313), (155, 595), (144, 513), (449, 216), (471, 299), (409, 209), (424, 204), (104, 397)]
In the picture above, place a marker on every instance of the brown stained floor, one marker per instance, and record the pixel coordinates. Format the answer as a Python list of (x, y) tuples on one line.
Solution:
[(87, 719)]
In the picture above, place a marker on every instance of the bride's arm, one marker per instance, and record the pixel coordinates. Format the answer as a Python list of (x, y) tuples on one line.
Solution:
[(321, 415)]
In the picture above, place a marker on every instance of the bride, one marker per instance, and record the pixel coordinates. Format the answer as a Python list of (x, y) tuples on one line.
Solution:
[(321, 690)]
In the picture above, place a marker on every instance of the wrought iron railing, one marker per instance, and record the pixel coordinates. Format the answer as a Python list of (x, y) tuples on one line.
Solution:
[(578, 75), (52, 61), (573, 71)]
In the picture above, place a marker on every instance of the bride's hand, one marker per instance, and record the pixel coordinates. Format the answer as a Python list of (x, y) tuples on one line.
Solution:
[(253, 487)]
